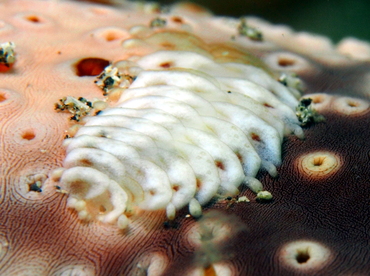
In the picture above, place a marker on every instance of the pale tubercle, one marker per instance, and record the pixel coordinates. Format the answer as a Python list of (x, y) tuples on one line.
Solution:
[(192, 60), (97, 189), (231, 176), (204, 106), (267, 99), (247, 80), (178, 136), (179, 172)]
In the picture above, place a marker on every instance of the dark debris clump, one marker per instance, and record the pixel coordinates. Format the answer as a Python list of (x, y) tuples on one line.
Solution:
[(306, 114)]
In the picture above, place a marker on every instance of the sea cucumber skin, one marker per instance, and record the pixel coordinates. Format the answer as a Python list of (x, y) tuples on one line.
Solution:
[(182, 134)]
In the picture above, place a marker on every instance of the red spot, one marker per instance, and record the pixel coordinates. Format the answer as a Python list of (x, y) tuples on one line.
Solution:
[(284, 62), (220, 165), (86, 162), (166, 64), (90, 66), (33, 18), (3, 97), (199, 183), (255, 137), (5, 68), (28, 134), (177, 19), (267, 105), (239, 157)]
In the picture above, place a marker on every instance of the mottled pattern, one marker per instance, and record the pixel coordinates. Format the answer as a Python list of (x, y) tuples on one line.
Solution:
[(308, 216)]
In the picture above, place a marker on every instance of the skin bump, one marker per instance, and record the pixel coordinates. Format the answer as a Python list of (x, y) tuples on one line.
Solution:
[(319, 164), (351, 106), (305, 256)]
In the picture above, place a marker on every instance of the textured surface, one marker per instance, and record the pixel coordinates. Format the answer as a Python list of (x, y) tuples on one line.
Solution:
[(185, 134), (317, 223)]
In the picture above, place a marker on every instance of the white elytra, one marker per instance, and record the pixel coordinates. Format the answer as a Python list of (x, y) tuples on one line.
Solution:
[(179, 136)]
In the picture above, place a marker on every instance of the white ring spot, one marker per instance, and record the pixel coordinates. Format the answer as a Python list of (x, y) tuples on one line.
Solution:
[(319, 164), (305, 255), (350, 106)]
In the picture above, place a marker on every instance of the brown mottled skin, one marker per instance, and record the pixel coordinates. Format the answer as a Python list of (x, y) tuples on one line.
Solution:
[(333, 211), (39, 235)]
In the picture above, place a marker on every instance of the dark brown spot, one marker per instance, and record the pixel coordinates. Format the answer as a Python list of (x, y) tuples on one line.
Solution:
[(33, 18), (90, 66), (199, 183), (3, 97), (267, 105), (239, 156), (175, 187), (255, 137), (102, 209), (166, 64), (86, 162), (302, 256), (284, 62), (28, 134), (177, 19), (220, 165)]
